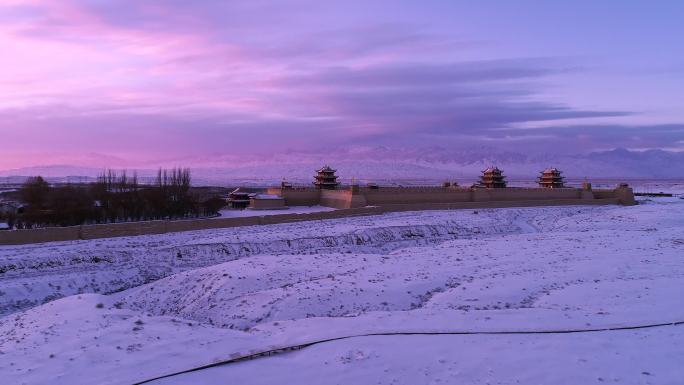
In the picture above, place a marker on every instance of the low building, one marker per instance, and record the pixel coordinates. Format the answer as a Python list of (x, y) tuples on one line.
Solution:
[(238, 199), (11, 207), (266, 202)]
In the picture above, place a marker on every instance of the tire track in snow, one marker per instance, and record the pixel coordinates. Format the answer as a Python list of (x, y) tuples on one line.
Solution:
[(290, 348)]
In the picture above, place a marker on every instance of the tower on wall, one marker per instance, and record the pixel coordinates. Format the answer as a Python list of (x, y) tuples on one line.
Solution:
[(551, 178), (492, 177), (326, 179)]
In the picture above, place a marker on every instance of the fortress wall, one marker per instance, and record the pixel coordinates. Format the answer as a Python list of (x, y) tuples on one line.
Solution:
[(419, 189), (121, 229), (387, 196), (113, 230), (339, 199), (298, 197), (509, 194), (321, 215), (604, 193), (342, 199), (206, 224), (497, 204), (624, 194), (420, 195), (388, 201), (52, 234)]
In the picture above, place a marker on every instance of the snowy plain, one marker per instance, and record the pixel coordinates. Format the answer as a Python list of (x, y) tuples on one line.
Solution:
[(120, 311)]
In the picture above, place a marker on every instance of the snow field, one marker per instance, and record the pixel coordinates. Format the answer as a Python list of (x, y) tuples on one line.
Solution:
[(231, 293)]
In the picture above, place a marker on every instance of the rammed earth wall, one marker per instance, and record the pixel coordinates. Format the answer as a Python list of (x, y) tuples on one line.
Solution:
[(349, 203)]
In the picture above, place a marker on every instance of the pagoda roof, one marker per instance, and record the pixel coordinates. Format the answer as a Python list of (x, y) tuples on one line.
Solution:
[(326, 168), (551, 170), (492, 169)]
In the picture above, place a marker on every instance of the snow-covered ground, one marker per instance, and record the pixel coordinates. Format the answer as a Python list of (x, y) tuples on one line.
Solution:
[(230, 213), (119, 311)]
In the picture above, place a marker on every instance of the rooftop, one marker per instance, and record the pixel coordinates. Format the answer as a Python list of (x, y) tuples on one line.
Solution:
[(326, 168), (266, 196), (492, 169)]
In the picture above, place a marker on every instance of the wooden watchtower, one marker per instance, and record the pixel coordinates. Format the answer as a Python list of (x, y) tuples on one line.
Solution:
[(326, 178), (551, 178), (492, 177)]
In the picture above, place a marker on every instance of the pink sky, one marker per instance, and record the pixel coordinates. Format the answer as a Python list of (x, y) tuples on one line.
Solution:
[(138, 83)]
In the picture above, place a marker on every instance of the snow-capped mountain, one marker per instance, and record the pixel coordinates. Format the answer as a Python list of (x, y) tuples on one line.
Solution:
[(399, 164)]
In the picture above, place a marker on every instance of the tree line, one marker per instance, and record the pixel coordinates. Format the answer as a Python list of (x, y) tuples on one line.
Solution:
[(113, 197)]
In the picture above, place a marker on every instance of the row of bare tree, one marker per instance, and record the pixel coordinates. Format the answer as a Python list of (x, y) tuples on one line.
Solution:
[(114, 197)]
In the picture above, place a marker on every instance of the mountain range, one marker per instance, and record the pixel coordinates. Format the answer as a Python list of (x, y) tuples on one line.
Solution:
[(396, 164)]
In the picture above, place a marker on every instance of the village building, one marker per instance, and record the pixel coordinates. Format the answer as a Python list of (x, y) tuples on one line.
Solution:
[(11, 207), (551, 178), (326, 178), (492, 177), (238, 199)]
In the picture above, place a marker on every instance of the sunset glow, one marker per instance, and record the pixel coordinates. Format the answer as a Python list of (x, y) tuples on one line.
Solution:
[(138, 83)]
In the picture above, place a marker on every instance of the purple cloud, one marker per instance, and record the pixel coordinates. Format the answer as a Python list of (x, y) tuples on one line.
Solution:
[(140, 81)]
